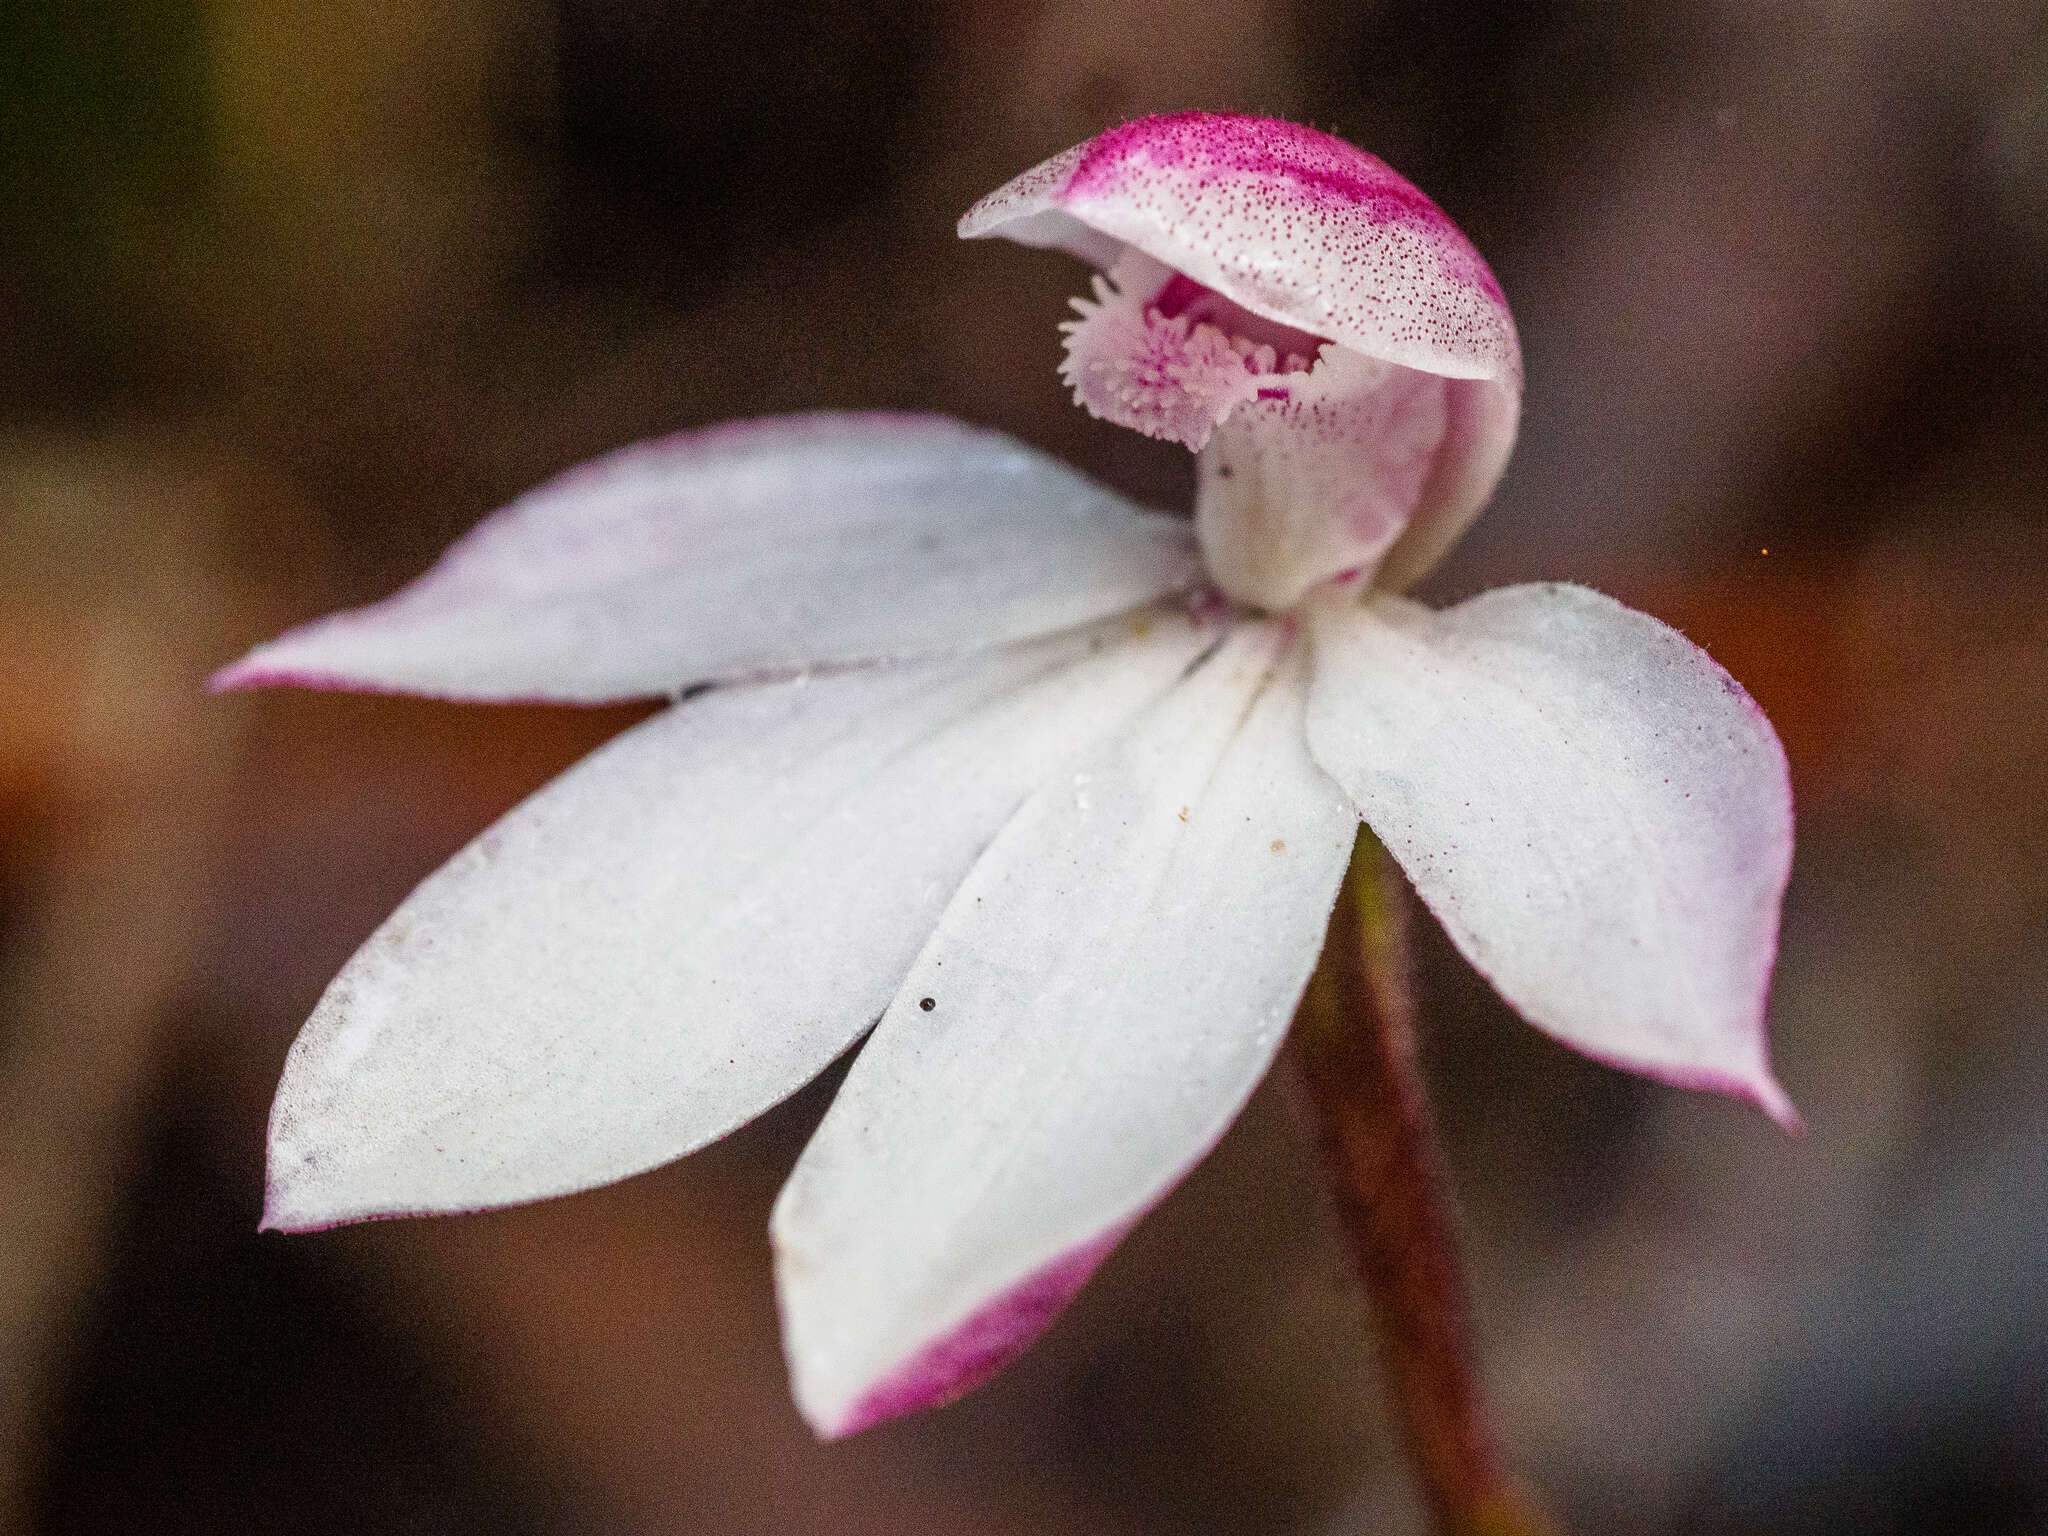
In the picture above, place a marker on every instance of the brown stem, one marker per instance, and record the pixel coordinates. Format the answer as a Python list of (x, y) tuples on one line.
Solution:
[(1354, 1043)]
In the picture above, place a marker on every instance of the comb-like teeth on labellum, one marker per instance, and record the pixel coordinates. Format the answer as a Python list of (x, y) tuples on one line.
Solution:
[(1368, 463)]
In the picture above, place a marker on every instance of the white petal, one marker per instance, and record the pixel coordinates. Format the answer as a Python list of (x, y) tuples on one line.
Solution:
[(1105, 990), (746, 551), (1598, 813), (680, 930)]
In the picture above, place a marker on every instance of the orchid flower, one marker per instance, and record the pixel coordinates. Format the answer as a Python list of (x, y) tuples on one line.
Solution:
[(1059, 789)]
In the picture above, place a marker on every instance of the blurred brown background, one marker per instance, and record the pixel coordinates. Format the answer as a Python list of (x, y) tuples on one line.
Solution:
[(291, 291)]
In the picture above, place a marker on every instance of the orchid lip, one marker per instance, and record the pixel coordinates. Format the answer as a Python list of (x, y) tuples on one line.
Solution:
[(1288, 231), (1314, 458), (1294, 349), (1159, 353)]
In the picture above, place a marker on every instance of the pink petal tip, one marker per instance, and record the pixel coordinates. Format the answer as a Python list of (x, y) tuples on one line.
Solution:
[(950, 1367), (249, 674)]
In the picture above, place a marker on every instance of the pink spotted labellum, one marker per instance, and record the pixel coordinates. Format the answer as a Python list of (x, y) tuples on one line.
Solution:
[(1060, 789)]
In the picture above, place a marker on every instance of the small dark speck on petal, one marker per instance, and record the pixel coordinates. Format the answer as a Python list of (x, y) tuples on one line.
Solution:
[(927, 1003)]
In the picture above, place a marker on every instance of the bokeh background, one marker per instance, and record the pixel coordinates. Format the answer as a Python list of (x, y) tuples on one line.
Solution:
[(292, 291)]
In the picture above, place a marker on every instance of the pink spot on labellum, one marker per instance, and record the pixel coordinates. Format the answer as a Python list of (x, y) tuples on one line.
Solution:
[(1180, 294)]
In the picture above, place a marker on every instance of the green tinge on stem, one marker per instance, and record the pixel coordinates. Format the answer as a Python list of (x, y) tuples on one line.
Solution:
[(1354, 1044)]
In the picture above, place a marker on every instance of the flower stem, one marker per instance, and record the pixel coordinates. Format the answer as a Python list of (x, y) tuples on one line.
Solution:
[(1354, 1044)]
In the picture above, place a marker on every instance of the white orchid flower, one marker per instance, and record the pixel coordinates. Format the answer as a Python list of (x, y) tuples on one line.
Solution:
[(1059, 789)]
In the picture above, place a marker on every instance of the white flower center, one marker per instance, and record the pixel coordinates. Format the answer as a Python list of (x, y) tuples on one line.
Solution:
[(1313, 457)]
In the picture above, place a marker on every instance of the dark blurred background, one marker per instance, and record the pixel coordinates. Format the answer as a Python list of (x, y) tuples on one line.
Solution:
[(292, 291)]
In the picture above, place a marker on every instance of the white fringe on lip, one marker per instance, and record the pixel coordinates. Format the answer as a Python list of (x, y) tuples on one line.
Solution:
[(1309, 467), (1174, 378)]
